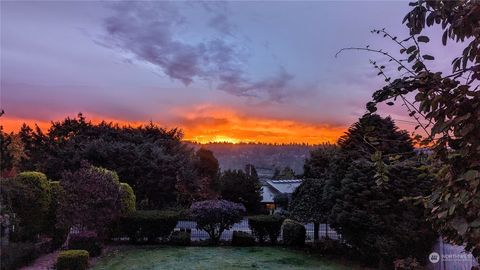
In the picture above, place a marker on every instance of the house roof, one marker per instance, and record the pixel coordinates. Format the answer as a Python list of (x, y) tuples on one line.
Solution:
[(268, 194), (270, 188), (285, 186)]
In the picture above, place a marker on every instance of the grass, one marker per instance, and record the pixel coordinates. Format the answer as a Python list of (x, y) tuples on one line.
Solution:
[(213, 258)]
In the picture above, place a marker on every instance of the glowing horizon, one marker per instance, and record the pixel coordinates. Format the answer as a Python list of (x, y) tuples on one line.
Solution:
[(236, 130)]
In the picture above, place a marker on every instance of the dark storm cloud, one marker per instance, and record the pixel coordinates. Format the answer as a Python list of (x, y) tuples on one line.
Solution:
[(148, 31)]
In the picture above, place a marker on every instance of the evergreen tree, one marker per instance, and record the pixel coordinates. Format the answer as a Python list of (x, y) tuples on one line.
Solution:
[(152, 160), (285, 174), (237, 186), (372, 217), (317, 164), (307, 203), (6, 155)]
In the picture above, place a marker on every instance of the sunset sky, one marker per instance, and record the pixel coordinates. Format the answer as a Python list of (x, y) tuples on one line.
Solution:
[(221, 71)]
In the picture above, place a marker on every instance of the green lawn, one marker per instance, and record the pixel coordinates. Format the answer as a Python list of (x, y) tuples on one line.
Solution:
[(213, 258)]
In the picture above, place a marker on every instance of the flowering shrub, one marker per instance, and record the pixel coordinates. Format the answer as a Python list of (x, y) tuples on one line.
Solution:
[(215, 216)]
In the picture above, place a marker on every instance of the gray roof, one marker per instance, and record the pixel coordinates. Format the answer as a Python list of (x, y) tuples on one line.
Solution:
[(285, 186), (270, 188)]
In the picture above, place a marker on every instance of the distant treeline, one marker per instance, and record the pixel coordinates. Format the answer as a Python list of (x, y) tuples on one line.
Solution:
[(262, 155)]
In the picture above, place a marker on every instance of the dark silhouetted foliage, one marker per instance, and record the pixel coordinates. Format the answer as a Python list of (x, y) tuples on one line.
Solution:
[(215, 216), (93, 198), (237, 186), (293, 233), (264, 226)]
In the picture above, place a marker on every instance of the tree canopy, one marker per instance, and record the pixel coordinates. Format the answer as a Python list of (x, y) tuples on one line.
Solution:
[(446, 108), (237, 186), (150, 159)]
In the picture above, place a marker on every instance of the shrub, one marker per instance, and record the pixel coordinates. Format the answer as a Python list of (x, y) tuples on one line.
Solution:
[(215, 216), (16, 255), (149, 224), (92, 198), (266, 225), (128, 199), (88, 241), (57, 233), (242, 239), (30, 198), (180, 238), (327, 246), (72, 260), (282, 200), (293, 233), (407, 264)]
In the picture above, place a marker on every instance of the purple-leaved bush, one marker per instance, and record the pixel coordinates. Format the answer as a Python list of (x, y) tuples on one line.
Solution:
[(92, 198), (215, 216)]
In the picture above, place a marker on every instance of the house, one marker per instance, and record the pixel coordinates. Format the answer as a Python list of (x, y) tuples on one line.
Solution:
[(271, 188)]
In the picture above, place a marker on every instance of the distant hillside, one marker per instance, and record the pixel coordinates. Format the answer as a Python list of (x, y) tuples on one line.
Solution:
[(263, 156)]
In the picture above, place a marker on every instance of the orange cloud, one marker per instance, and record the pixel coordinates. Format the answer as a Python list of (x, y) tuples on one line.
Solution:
[(212, 124), (205, 124)]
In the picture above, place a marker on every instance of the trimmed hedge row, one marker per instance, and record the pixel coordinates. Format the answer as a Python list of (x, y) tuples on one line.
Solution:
[(242, 239), (266, 225), (149, 225), (72, 260)]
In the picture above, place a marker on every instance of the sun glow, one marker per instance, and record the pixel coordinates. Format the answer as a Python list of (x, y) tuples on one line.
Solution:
[(218, 125)]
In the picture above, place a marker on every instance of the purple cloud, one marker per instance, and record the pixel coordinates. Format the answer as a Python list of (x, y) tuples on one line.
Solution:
[(147, 31)]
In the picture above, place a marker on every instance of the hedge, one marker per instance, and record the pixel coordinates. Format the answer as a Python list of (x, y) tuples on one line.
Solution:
[(242, 239), (149, 224), (128, 199), (16, 255), (31, 202), (293, 233), (58, 234), (88, 241), (180, 238), (266, 225), (72, 260)]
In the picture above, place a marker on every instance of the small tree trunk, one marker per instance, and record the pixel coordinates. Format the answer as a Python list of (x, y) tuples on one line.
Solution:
[(326, 231), (316, 228)]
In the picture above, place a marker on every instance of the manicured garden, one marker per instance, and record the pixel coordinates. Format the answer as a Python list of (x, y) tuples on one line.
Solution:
[(213, 258)]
